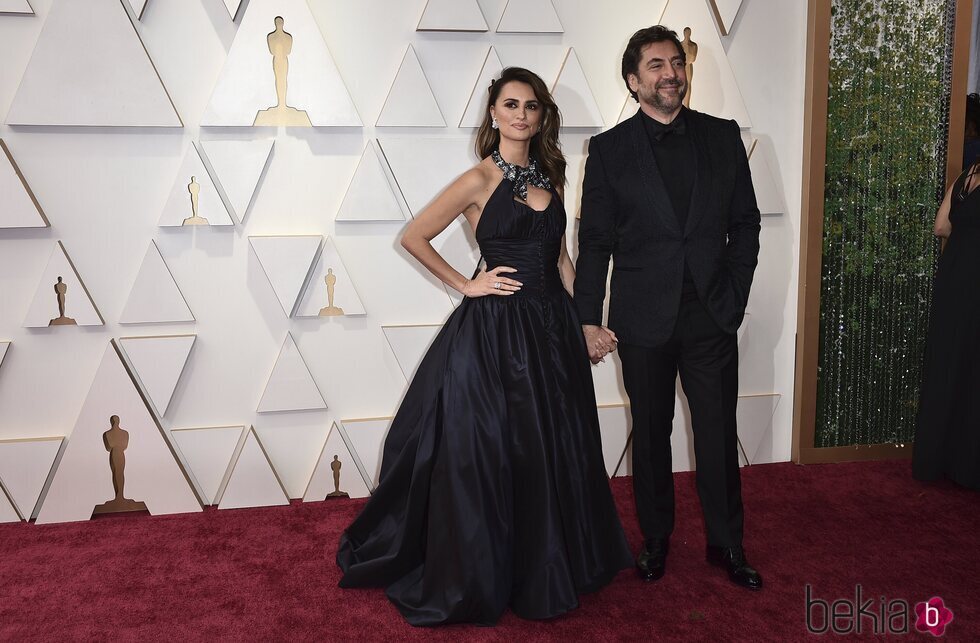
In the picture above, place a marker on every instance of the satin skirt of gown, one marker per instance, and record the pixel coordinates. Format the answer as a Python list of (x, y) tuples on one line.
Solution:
[(493, 492), (947, 432)]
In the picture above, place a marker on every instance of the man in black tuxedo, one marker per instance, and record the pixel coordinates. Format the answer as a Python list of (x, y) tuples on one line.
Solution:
[(668, 195)]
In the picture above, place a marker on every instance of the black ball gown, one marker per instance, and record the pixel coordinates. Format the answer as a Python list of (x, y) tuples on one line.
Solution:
[(493, 491), (947, 433)]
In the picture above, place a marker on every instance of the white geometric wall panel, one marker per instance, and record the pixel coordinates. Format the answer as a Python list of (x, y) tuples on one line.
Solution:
[(571, 90), (316, 297), (208, 453), (367, 439), (253, 481), (409, 344), (159, 362), (247, 83), (155, 296), (233, 7), (630, 107), (7, 511), (16, 6), (373, 194), (754, 414), (764, 180), (20, 207), (3, 351), (292, 442), (712, 87), (477, 105), (452, 15), (321, 483), (725, 13), (138, 7), (25, 466), (286, 261), (78, 303), (614, 423), (237, 167), (180, 204), (291, 386), (89, 67), (410, 102), (529, 16), (83, 479)]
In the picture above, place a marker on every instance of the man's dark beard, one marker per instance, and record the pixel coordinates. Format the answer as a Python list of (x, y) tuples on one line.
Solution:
[(659, 102)]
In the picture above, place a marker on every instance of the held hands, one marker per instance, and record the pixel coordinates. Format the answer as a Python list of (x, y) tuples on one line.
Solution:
[(492, 283), (600, 341)]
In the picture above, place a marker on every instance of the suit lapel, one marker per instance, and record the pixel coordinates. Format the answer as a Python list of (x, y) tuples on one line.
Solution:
[(653, 182), (700, 192)]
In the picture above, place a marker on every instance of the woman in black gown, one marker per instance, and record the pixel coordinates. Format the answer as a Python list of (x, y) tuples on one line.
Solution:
[(493, 491), (947, 434)]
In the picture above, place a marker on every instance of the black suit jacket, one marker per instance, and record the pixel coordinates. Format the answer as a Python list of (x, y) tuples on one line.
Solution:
[(627, 215)]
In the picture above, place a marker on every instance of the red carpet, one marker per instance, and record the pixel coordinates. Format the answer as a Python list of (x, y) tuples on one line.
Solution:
[(268, 574)]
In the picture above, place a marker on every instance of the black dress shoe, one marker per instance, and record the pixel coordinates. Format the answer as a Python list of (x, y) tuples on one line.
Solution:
[(732, 559), (652, 561)]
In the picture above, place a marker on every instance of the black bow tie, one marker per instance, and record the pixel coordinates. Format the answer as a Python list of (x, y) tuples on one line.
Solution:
[(660, 130)]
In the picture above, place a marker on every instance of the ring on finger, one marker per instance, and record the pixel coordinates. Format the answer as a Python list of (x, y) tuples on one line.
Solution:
[(496, 285)]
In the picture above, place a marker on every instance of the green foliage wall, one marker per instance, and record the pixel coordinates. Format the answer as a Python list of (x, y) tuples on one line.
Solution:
[(886, 158)]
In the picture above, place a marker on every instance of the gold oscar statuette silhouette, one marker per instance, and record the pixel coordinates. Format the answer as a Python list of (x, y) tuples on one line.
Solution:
[(280, 45), (330, 310), (335, 467), (691, 52), (116, 440), (61, 289), (195, 189)]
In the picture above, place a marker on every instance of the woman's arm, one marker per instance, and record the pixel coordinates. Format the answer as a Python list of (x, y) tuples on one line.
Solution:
[(461, 196), (943, 227)]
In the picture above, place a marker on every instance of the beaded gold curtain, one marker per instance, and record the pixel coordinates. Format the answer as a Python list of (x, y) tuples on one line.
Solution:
[(888, 100)]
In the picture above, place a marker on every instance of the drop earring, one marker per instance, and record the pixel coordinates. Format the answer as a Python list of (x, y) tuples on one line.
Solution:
[(493, 122)]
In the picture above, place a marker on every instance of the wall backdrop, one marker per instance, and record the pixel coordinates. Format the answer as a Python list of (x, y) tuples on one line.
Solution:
[(243, 353)]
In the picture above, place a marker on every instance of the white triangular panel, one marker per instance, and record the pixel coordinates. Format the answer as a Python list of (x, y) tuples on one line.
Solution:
[(476, 107), (159, 362), (754, 413), (247, 83), (373, 194), (20, 207), (233, 7), (725, 13), (452, 15), (155, 296), (321, 483), (16, 6), (138, 6), (286, 261), (179, 205), (750, 142), (767, 193), (3, 351), (83, 478), (367, 438), (291, 386), (629, 109), (237, 166), (409, 344), (24, 468), (574, 96), (253, 481), (208, 453), (316, 298), (89, 68), (292, 447), (78, 304), (410, 101), (614, 425), (7, 511), (717, 94), (529, 16)]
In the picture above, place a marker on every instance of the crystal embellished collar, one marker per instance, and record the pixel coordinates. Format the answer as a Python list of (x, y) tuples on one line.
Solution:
[(519, 176)]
